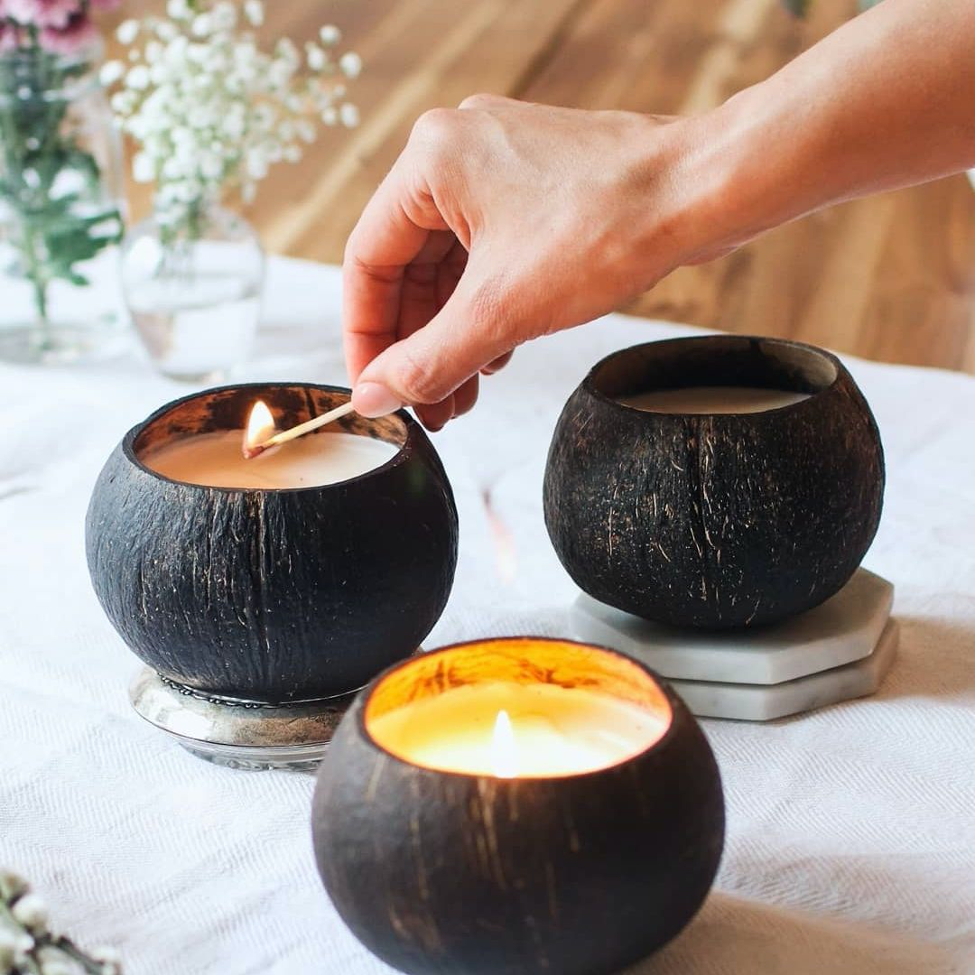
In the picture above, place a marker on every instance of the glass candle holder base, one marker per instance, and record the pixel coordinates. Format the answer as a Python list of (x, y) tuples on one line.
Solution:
[(239, 733)]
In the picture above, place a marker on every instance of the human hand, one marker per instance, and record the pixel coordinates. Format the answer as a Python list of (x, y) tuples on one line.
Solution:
[(500, 222)]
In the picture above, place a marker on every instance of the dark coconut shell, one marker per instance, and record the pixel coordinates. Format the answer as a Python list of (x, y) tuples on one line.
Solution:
[(714, 520), (272, 595), (450, 873)]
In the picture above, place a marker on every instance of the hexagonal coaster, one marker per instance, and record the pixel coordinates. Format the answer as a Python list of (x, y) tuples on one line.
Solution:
[(727, 700), (844, 629)]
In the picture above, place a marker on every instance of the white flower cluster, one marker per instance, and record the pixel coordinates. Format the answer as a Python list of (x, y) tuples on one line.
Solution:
[(27, 944), (211, 110)]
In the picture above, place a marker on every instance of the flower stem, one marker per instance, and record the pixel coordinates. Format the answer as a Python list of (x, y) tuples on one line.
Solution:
[(39, 285)]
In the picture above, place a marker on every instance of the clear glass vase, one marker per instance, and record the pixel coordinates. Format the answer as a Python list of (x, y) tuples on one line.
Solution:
[(193, 290), (60, 210)]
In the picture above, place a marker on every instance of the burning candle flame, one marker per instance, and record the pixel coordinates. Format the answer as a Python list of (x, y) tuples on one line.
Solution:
[(261, 426), (504, 755)]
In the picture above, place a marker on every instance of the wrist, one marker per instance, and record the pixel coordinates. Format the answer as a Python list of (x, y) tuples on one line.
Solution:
[(738, 174)]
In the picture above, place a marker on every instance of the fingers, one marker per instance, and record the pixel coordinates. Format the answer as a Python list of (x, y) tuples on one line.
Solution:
[(435, 416), (466, 395), (434, 362), (485, 100), (497, 364), (392, 231)]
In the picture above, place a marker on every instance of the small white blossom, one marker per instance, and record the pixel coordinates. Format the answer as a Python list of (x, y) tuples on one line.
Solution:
[(286, 50), (111, 72), (225, 16), (143, 170), (315, 57), (52, 960), (232, 126), (127, 31), (254, 10), (211, 166), (351, 64), (349, 115), (122, 103), (107, 956), (178, 9), (330, 34), (138, 78), (31, 912), (257, 163), (202, 25), (329, 116)]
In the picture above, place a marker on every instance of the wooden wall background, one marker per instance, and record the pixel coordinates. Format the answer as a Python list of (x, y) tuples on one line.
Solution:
[(889, 278)]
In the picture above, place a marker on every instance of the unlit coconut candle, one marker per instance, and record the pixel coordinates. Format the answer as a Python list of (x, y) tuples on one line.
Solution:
[(316, 459), (510, 729), (713, 400)]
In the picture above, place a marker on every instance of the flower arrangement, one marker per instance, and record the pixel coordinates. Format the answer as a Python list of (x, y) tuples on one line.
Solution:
[(49, 182), (212, 111), (29, 946)]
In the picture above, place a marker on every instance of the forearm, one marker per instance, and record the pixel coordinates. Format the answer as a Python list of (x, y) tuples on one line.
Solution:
[(884, 102)]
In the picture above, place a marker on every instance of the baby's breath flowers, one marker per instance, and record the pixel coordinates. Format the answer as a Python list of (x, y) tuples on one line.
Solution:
[(211, 110), (28, 945)]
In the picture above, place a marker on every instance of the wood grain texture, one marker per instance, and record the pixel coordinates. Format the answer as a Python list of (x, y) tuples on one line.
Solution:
[(889, 278), (714, 520), (450, 873), (272, 595)]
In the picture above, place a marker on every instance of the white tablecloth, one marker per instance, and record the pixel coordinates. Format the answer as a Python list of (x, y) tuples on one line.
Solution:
[(850, 830)]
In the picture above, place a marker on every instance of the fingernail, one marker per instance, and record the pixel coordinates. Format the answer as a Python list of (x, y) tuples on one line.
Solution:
[(374, 400)]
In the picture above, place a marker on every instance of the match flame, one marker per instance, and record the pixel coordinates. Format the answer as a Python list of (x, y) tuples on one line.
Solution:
[(504, 754), (261, 426)]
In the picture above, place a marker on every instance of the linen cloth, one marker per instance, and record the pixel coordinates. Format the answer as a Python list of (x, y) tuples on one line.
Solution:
[(850, 830)]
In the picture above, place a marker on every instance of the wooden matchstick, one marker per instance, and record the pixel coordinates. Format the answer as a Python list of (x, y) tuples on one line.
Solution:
[(296, 432)]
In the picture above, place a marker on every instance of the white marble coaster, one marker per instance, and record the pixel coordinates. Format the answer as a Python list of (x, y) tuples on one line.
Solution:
[(843, 629), (727, 700)]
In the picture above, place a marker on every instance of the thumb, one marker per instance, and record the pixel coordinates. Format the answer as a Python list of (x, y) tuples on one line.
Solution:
[(429, 365)]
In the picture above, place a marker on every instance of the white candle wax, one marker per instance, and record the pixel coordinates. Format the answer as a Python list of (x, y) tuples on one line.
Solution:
[(549, 730), (215, 459), (713, 400)]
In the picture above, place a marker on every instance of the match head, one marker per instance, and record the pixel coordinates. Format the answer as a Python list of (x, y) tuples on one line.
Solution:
[(253, 452)]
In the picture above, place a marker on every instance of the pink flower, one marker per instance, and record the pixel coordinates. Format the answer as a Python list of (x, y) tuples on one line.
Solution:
[(11, 36), (42, 13), (78, 33)]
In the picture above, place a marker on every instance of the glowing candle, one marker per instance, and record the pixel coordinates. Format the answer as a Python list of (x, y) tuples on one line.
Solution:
[(713, 400), (215, 458), (516, 729)]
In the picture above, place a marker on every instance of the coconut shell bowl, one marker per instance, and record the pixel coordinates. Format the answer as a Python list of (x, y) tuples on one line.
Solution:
[(258, 612), (517, 805), (713, 517)]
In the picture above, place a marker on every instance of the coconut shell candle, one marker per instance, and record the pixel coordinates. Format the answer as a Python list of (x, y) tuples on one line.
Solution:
[(295, 576), (714, 482), (517, 805)]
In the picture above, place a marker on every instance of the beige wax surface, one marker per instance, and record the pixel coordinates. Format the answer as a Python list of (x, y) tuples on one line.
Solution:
[(554, 731), (713, 400), (315, 459)]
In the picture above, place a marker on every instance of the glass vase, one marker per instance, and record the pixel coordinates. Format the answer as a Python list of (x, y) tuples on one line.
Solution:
[(60, 210), (193, 290)]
